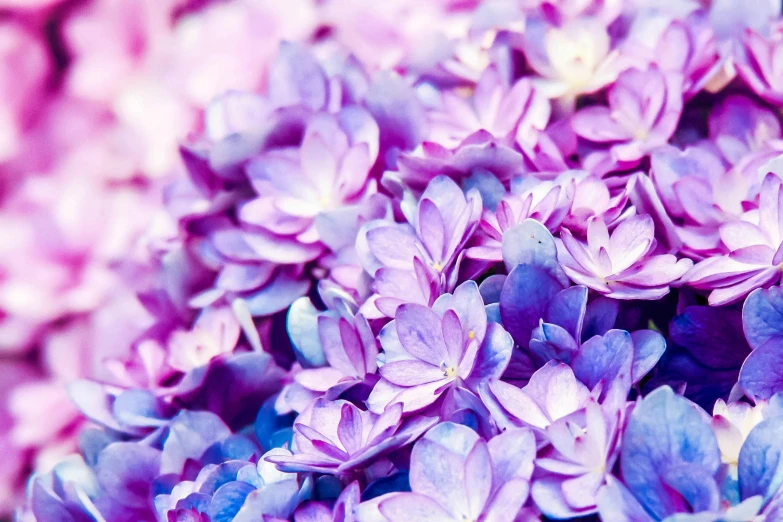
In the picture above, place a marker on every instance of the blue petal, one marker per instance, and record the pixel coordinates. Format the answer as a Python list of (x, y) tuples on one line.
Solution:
[(600, 316), (666, 430), (607, 358), (530, 243), (302, 326), (567, 310), (228, 500), (762, 316), (523, 301), (295, 77), (488, 185), (713, 336), (494, 353), (648, 347), (491, 287), (126, 470), (550, 341), (761, 460)]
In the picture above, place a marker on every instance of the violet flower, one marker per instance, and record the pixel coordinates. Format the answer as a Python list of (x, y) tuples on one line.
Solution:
[(455, 476), (572, 470), (552, 393), (545, 202), (428, 351), (444, 220), (593, 198), (754, 244), (740, 126), (759, 69), (478, 153), (644, 109), (573, 59), (337, 349), (622, 265), (337, 437), (685, 46), (502, 110)]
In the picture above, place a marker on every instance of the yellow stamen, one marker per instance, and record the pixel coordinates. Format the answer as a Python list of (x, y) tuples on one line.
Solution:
[(450, 372)]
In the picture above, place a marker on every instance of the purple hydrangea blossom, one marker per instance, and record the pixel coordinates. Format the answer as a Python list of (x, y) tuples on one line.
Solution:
[(572, 59), (426, 261), (455, 475), (621, 265), (754, 244), (337, 437), (759, 69), (553, 393), (428, 351), (500, 109), (438, 229), (573, 469), (644, 109)]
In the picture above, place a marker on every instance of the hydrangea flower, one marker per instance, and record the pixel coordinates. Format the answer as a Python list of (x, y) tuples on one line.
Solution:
[(553, 393), (758, 69), (444, 220), (428, 351), (500, 109), (573, 59), (621, 265), (418, 261), (455, 475), (753, 243), (337, 437), (644, 109), (574, 468)]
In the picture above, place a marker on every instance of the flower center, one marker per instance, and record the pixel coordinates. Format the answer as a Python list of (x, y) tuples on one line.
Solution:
[(450, 372), (471, 335), (437, 266)]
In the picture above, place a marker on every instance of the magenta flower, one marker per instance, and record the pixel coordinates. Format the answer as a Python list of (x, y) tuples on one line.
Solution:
[(337, 348), (427, 351), (456, 476), (622, 265), (740, 126), (643, 112), (479, 152), (337, 437), (23, 76), (755, 250)]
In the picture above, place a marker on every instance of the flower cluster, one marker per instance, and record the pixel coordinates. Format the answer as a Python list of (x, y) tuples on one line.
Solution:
[(346, 261)]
